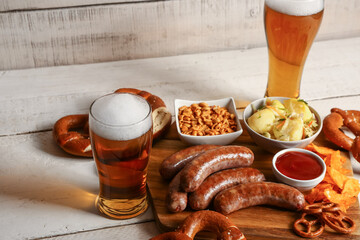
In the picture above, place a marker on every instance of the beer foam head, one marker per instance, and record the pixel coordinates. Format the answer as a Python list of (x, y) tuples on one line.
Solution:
[(296, 7), (120, 116)]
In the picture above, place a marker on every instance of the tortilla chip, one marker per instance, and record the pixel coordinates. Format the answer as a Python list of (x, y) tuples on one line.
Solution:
[(323, 151), (337, 177), (351, 187), (336, 187), (344, 201)]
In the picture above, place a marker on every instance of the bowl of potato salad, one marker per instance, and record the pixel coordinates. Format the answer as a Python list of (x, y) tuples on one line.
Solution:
[(277, 123)]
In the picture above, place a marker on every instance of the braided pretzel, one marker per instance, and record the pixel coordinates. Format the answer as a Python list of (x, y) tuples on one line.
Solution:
[(73, 142), (160, 115), (204, 221), (309, 220), (338, 118), (339, 221)]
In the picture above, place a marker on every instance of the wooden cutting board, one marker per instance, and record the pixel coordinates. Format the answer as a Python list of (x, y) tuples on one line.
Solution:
[(259, 222)]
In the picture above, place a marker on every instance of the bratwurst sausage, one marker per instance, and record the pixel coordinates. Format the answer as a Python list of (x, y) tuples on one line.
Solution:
[(195, 172), (201, 198), (258, 193), (176, 199), (175, 162)]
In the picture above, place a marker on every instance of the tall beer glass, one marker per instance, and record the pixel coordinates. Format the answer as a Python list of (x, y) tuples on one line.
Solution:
[(290, 26), (121, 139)]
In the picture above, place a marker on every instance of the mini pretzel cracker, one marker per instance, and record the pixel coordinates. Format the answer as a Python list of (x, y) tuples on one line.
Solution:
[(313, 225), (204, 120), (321, 214)]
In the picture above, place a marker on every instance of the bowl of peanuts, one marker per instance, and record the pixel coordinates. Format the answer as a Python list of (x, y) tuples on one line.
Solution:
[(207, 122)]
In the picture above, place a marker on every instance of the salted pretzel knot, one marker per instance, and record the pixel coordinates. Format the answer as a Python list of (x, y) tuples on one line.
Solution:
[(337, 119), (73, 142), (351, 119), (204, 220)]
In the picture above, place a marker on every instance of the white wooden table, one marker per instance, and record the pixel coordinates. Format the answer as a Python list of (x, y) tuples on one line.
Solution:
[(46, 193)]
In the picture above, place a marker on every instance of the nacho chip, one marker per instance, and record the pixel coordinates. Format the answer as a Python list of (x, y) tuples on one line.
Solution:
[(317, 194), (336, 187), (337, 177), (351, 187), (323, 151)]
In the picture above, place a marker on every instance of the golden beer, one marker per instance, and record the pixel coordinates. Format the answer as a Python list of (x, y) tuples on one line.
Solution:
[(291, 27), (121, 153)]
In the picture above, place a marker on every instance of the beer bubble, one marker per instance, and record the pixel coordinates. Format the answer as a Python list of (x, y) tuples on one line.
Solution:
[(296, 7), (120, 116)]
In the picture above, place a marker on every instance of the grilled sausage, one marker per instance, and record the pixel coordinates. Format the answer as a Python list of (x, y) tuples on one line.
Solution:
[(258, 193), (175, 162), (195, 172), (201, 198), (176, 199)]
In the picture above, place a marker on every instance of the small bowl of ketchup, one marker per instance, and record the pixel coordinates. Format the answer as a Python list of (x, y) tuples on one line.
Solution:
[(299, 168)]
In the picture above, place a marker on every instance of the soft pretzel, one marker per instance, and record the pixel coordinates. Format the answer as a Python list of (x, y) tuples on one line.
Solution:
[(78, 143), (73, 142), (204, 220), (337, 119), (351, 119), (160, 115)]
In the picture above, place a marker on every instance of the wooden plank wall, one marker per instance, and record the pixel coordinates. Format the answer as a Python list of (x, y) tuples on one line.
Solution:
[(40, 33)]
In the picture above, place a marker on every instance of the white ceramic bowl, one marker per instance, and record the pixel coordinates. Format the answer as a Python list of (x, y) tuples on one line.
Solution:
[(223, 139), (302, 185), (273, 145)]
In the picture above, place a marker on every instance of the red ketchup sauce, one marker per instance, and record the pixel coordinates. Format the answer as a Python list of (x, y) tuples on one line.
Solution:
[(298, 165)]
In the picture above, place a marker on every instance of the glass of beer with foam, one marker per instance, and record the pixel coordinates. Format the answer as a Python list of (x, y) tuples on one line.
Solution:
[(290, 26), (121, 139)]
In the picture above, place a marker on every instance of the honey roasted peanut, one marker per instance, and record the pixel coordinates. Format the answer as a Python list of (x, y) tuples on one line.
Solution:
[(204, 120)]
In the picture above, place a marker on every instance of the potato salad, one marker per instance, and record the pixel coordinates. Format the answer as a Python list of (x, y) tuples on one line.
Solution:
[(291, 120)]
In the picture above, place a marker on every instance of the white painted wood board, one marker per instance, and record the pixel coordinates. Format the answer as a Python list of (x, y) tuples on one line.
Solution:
[(136, 231), (20, 5), (46, 192), (332, 70), (109, 32)]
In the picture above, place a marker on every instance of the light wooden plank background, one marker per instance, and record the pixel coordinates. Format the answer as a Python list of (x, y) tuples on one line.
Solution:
[(20, 5), (99, 30), (241, 74)]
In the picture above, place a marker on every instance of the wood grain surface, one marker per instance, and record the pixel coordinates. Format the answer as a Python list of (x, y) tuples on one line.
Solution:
[(40, 33), (259, 222)]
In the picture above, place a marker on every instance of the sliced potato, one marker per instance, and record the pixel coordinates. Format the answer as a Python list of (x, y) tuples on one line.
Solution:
[(262, 120), (290, 130), (300, 108), (280, 110)]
